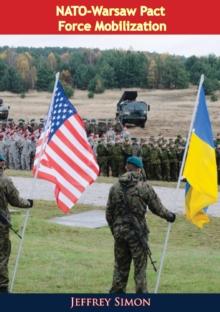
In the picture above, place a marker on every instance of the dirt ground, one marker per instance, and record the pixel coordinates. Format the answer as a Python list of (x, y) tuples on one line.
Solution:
[(170, 110)]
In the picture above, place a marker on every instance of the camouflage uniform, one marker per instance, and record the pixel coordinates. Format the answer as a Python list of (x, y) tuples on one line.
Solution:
[(91, 127), (145, 155), (180, 153), (16, 153), (173, 163), (32, 152), (165, 164), (155, 163), (10, 147), (26, 155), (125, 214), (127, 149), (102, 157), (136, 150), (117, 159), (8, 195), (109, 157)]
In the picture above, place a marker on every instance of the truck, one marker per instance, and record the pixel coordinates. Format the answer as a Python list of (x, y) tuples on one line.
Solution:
[(132, 111)]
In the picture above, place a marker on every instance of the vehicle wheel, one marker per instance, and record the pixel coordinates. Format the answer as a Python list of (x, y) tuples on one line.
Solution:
[(143, 125)]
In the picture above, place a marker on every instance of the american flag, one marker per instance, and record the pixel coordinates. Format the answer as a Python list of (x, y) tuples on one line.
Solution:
[(64, 155)]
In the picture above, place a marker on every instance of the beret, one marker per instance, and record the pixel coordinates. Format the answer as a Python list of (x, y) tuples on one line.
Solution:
[(136, 161)]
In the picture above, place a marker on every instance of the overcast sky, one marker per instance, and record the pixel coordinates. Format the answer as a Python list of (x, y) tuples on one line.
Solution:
[(174, 44)]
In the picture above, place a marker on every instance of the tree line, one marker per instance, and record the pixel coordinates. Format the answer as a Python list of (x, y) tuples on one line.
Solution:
[(23, 69)]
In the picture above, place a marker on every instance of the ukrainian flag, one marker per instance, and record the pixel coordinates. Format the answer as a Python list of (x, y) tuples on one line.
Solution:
[(200, 168)]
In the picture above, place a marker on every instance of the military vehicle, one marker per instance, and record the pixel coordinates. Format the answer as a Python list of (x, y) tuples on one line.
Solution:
[(4, 110), (132, 111)]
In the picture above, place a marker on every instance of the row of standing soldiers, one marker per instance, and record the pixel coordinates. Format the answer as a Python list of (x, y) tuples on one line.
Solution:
[(161, 158), (101, 126), (18, 152), (18, 142)]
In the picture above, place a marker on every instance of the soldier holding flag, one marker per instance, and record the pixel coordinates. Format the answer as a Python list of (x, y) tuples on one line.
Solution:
[(8, 195)]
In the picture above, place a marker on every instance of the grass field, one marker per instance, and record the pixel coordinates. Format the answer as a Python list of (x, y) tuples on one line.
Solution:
[(59, 259), (170, 110)]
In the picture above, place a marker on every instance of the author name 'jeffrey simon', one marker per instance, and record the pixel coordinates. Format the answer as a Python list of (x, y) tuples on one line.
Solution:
[(107, 302)]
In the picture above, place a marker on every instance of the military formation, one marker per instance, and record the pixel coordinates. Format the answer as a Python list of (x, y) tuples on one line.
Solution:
[(111, 143), (101, 126), (161, 157), (18, 143)]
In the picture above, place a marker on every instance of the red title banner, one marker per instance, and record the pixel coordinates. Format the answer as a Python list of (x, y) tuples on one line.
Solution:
[(110, 17)]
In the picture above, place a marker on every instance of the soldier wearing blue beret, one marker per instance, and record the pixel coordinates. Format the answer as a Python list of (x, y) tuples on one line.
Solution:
[(125, 213)]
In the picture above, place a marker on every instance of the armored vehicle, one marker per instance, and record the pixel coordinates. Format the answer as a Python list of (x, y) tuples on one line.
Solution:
[(132, 111)]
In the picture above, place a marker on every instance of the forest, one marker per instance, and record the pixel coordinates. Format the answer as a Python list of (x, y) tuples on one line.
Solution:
[(23, 69)]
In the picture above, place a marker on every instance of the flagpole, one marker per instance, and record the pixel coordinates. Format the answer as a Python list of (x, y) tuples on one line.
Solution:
[(27, 214), (178, 184)]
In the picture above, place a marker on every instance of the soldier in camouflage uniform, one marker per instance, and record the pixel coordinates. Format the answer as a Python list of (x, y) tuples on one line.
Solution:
[(136, 150), (117, 158), (165, 164), (91, 126), (145, 155), (178, 140), (172, 152), (10, 150), (8, 195), (127, 149), (125, 213), (155, 162), (102, 156), (26, 154), (110, 144), (180, 153)]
